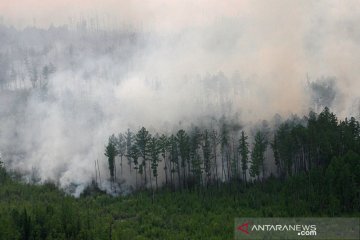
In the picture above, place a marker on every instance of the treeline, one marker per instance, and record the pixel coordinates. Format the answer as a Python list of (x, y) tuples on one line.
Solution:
[(317, 174), (188, 158), (201, 157), (30, 57)]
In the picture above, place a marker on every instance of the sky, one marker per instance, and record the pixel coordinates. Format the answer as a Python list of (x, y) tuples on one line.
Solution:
[(159, 14), (320, 37)]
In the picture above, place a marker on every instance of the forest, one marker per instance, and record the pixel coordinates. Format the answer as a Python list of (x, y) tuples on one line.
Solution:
[(171, 119), (201, 157), (317, 166)]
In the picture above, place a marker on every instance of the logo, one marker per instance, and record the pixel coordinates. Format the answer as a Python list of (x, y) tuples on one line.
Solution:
[(244, 228), (297, 228), (302, 230)]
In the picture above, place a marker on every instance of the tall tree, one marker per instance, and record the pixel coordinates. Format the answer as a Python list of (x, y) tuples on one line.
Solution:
[(121, 149), (133, 155), (258, 155), (234, 159), (142, 140), (184, 149), (164, 146), (285, 148), (155, 150), (224, 147), (275, 148), (195, 142), (174, 160), (214, 143), (206, 147), (110, 153), (129, 138), (244, 154), (328, 134)]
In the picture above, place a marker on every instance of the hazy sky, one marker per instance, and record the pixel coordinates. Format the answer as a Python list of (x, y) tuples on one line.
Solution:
[(156, 13), (279, 41), (173, 13)]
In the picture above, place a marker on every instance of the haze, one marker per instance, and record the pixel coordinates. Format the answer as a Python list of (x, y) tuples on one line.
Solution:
[(189, 60)]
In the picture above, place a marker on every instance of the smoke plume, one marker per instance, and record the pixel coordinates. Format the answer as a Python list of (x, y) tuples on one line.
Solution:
[(72, 74)]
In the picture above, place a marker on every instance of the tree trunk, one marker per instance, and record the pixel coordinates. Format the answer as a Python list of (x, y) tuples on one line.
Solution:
[(156, 181), (121, 164), (144, 165), (150, 175), (165, 169), (215, 161), (178, 170)]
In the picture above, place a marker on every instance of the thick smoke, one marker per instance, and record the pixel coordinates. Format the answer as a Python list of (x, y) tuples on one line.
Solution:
[(69, 82)]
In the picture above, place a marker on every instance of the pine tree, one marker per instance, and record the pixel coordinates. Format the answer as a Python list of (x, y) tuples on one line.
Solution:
[(142, 140), (214, 143), (234, 159), (275, 148), (195, 141), (155, 150), (206, 147), (258, 155), (285, 146), (244, 153), (174, 160), (121, 149), (110, 152), (183, 142), (328, 135), (164, 145), (133, 155), (224, 147), (129, 138)]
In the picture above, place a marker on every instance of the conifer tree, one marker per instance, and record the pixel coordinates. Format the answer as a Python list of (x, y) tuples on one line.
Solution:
[(174, 160), (244, 153), (214, 143), (110, 152), (164, 145), (129, 138), (258, 155), (183, 142), (195, 141), (133, 155), (142, 140), (121, 149), (154, 157), (206, 147), (275, 148), (224, 144)]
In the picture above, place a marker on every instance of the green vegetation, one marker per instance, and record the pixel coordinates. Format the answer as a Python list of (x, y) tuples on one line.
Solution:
[(318, 174), (201, 156), (43, 212)]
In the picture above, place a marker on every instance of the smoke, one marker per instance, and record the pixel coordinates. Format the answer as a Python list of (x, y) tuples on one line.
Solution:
[(162, 65)]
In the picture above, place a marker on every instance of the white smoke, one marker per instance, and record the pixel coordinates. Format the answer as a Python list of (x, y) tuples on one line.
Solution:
[(169, 64)]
